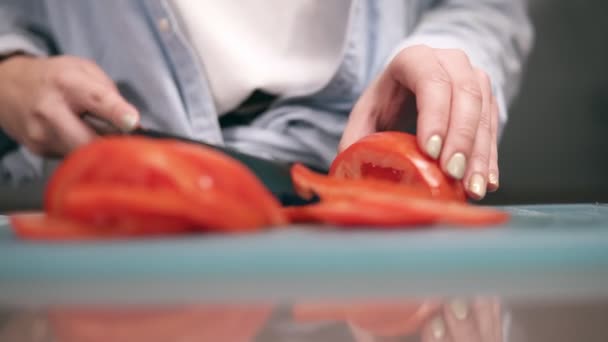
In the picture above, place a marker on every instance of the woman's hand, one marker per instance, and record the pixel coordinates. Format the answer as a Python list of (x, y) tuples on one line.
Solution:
[(478, 321), (42, 99), (457, 113)]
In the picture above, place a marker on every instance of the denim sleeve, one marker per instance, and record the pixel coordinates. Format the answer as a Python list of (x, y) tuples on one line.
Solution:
[(497, 36), (23, 28)]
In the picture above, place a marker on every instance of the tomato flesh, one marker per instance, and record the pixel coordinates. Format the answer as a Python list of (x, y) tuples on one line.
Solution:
[(395, 157)]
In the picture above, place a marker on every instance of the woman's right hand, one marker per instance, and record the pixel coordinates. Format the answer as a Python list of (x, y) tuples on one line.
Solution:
[(42, 100)]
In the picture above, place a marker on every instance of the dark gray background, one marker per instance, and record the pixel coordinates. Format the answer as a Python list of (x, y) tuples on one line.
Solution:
[(554, 148)]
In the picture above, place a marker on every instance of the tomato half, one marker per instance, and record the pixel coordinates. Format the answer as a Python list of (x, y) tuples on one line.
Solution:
[(140, 186), (395, 157)]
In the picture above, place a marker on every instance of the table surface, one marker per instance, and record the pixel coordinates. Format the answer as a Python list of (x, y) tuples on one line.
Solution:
[(551, 251)]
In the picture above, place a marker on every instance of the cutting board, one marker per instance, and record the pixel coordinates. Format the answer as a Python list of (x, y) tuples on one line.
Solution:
[(544, 251)]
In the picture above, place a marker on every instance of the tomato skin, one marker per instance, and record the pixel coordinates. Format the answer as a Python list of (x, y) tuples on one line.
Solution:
[(41, 227), (371, 203), (395, 157), (135, 186), (148, 211)]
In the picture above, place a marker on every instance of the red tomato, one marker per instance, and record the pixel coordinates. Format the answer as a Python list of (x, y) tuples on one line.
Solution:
[(364, 202), (384, 211), (309, 183), (137, 186), (39, 226), (395, 157), (138, 211)]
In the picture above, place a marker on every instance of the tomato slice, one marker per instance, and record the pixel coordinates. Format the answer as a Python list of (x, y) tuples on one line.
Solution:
[(139, 186), (39, 226), (309, 183), (383, 211), (395, 157), (147, 211), (368, 202), (232, 178)]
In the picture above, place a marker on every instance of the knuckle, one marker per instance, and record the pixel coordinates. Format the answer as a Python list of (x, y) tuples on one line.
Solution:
[(485, 121), (480, 159), (36, 136), (437, 79), (455, 54), (64, 79), (470, 88), (482, 76), (96, 97), (466, 133)]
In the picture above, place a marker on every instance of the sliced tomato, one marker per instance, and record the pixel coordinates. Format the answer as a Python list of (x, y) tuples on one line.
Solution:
[(149, 186), (382, 211), (141, 211), (232, 178), (309, 183), (395, 157), (368, 202), (39, 226)]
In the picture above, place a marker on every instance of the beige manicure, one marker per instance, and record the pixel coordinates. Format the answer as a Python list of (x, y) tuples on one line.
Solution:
[(477, 185), (433, 146), (459, 309), (493, 179), (129, 122), (456, 165), (438, 328)]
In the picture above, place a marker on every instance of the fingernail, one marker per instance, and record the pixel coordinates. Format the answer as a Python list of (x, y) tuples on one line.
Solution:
[(493, 179), (129, 122), (459, 309), (477, 185), (433, 146), (437, 328), (456, 165)]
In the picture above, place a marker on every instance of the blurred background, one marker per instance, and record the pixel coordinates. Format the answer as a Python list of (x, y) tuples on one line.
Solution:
[(555, 146)]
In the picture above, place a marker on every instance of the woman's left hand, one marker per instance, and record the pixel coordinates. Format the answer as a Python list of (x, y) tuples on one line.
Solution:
[(457, 113)]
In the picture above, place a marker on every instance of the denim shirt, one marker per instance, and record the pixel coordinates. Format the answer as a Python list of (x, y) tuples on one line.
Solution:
[(142, 46)]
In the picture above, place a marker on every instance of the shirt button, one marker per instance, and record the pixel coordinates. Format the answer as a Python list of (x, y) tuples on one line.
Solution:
[(163, 24)]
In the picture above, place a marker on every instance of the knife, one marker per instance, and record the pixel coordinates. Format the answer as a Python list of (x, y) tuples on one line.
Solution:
[(276, 176)]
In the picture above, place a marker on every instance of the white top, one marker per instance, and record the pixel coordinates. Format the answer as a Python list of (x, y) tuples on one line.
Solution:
[(281, 47)]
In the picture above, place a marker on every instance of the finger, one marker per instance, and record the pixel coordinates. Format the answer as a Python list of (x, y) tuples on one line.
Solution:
[(419, 70), (460, 322), (361, 120), (476, 175), (69, 131), (86, 95), (488, 319), (493, 173), (464, 112), (97, 73), (435, 331)]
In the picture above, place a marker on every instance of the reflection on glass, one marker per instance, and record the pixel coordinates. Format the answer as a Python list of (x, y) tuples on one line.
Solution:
[(452, 320)]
